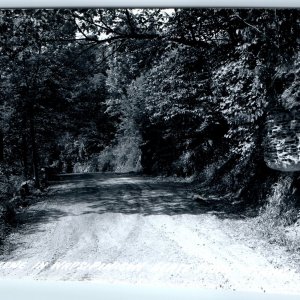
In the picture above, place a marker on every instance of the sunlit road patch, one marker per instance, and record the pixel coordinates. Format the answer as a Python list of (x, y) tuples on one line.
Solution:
[(131, 229)]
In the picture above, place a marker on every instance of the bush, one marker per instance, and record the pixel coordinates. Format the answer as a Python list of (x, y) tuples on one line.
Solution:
[(279, 215), (209, 171), (106, 160), (88, 166), (123, 157)]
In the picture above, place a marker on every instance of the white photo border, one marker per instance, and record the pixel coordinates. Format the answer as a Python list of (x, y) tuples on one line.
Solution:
[(46, 290)]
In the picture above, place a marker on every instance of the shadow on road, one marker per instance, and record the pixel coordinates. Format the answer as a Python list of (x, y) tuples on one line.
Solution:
[(132, 194), (126, 194), (119, 193)]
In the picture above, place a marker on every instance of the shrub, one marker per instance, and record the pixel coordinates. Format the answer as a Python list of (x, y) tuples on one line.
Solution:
[(279, 215), (123, 157)]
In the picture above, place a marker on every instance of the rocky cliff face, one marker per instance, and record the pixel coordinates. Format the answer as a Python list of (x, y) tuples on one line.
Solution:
[(282, 144)]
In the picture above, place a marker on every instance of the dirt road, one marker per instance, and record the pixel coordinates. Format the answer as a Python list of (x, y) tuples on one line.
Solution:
[(133, 229)]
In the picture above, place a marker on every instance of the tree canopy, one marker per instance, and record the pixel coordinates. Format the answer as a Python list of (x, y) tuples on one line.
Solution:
[(161, 91)]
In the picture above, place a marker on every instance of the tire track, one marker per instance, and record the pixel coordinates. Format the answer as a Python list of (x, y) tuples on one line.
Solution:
[(115, 219)]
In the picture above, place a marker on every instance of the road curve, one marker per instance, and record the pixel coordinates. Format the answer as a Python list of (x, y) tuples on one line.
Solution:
[(133, 229)]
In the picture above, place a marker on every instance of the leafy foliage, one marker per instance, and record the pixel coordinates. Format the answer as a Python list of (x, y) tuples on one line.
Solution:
[(171, 91)]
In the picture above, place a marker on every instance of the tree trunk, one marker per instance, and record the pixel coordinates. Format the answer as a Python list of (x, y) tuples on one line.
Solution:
[(24, 151), (34, 147), (1, 147)]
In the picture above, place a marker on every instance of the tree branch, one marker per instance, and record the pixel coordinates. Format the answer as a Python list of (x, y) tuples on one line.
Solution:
[(256, 29)]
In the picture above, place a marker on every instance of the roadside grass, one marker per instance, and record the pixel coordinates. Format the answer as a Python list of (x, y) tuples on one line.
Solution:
[(279, 221)]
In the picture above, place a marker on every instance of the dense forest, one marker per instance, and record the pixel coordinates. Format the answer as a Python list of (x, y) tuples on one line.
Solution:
[(206, 94)]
